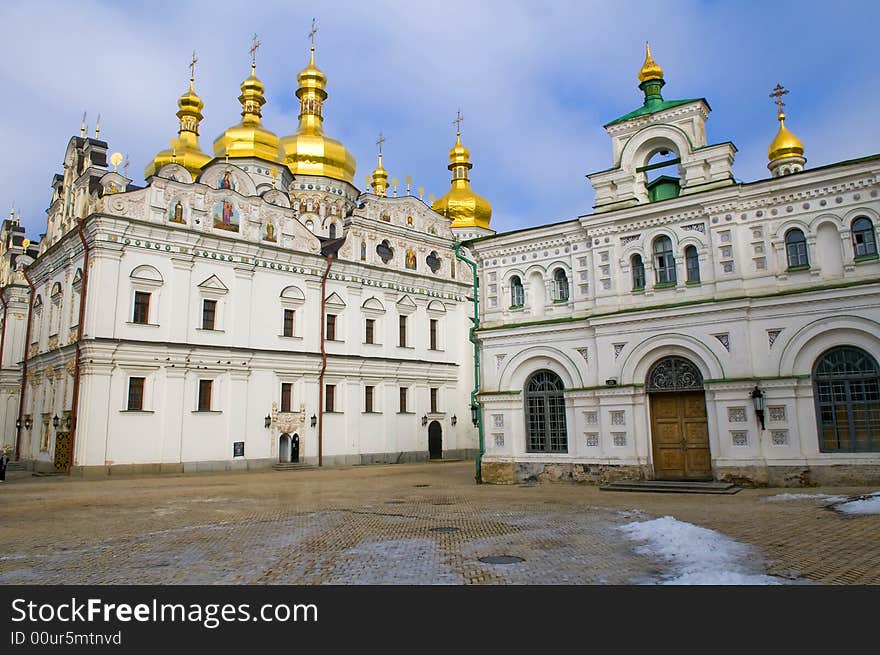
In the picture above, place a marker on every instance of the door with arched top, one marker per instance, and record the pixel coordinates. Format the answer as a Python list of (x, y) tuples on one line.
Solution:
[(284, 448), (679, 424), (435, 440)]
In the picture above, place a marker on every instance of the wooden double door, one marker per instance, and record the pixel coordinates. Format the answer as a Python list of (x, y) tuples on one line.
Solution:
[(680, 436)]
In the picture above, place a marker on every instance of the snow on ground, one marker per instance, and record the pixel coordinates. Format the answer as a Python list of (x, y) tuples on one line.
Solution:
[(826, 497), (697, 556), (869, 504)]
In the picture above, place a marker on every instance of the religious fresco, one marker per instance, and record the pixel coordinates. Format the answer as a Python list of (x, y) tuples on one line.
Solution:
[(225, 182), (270, 232), (225, 215), (175, 213), (411, 259)]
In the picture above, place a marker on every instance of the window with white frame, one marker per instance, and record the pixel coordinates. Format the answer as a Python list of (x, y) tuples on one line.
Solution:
[(146, 285)]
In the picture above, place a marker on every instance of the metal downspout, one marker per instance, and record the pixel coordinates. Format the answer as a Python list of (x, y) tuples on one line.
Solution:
[(478, 474), (323, 362), (84, 283)]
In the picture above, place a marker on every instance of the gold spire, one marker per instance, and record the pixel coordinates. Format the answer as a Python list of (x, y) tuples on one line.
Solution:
[(309, 151), (185, 149), (379, 178), (460, 204), (249, 138), (650, 69), (784, 144)]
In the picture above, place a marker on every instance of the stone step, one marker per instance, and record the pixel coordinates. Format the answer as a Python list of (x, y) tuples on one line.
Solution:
[(672, 486), (290, 466), (16, 466)]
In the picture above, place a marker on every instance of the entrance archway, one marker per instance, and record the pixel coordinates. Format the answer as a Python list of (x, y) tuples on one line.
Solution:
[(284, 448), (679, 424), (435, 440)]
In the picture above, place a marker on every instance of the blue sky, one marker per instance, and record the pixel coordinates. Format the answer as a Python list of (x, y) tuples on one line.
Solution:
[(535, 83)]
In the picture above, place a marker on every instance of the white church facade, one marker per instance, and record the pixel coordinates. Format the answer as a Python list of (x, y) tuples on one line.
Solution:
[(691, 327), (239, 310)]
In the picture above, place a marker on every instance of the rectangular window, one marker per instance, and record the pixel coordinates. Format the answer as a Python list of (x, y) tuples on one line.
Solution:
[(209, 311), (434, 401), (369, 335), (205, 395), (329, 393), (141, 308), (368, 399), (286, 388), (433, 337), (135, 394), (401, 322), (331, 327), (288, 322), (402, 399)]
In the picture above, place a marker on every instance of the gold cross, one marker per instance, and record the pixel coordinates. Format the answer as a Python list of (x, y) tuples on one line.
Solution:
[(457, 122), (778, 92), (312, 32), (380, 141), (192, 66), (253, 51)]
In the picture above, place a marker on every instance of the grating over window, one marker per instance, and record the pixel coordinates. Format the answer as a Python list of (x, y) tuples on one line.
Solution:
[(846, 388), (674, 374), (545, 413)]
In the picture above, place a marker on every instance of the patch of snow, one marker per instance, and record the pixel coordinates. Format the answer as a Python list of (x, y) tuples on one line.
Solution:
[(697, 556), (869, 504), (828, 498)]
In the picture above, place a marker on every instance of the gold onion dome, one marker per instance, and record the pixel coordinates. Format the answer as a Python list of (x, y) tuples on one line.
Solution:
[(185, 149), (309, 151), (784, 144), (650, 69), (379, 179), (249, 138), (460, 204)]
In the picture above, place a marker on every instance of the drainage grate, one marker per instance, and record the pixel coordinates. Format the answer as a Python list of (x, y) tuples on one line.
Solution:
[(445, 529), (394, 502), (501, 559), (443, 503), (421, 485)]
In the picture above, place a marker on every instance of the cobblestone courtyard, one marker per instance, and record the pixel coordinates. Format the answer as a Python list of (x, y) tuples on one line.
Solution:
[(402, 524)]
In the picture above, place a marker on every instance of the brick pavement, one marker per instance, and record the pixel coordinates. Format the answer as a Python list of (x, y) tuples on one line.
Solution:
[(400, 524)]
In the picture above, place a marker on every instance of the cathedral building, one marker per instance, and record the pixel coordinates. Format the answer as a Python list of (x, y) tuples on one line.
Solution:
[(692, 327), (241, 309)]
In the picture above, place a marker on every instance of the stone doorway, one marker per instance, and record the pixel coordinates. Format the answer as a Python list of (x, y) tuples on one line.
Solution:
[(435, 440)]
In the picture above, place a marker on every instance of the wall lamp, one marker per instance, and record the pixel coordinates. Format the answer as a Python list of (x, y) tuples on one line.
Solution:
[(425, 420), (758, 399), (267, 421), (475, 414), (56, 421), (453, 420), (314, 420), (28, 422)]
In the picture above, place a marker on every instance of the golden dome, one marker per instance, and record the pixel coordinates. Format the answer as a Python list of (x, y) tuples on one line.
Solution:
[(185, 149), (460, 204), (379, 179), (784, 144), (650, 69), (309, 151), (249, 138)]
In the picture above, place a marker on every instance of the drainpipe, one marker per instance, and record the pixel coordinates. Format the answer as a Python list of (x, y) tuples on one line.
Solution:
[(24, 364), (84, 283), (478, 474), (323, 363)]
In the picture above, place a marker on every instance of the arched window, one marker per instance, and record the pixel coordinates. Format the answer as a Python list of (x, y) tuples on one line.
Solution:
[(796, 249), (517, 294), (638, 272), (545, 414), (664, 261), (332, 230), (864, 239), (560, 286), (846, 388), (692, 262)]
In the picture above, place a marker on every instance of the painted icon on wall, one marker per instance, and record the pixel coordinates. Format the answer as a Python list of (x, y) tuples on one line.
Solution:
[(226, 216)]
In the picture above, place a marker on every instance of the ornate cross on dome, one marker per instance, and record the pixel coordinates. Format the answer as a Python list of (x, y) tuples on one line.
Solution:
[(778, 92), (457, 122), (192, 66), (313, 31), (380, 141), (253, 51)]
